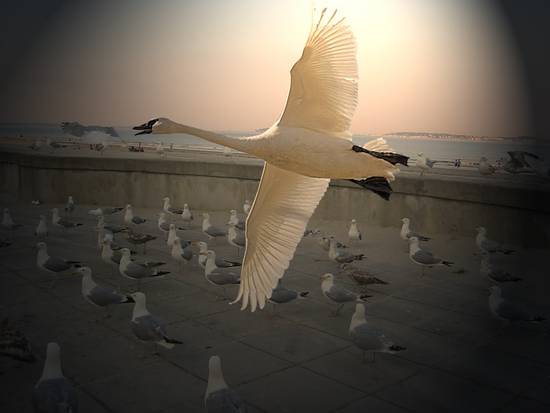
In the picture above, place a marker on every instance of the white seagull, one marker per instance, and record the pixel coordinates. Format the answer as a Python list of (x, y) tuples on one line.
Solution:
[(130, 218), (219, 398), (186, 215), (62, 222), (220, 262), (210, 230), (53, 392), (507, 310), (246, 207), (42, 228), (424, 163), (486, 245), (369, 339), (354, 234), (406, 231), (236, 237), (167, 207), (309, 145), (424, 258), (484, 167), (338, 294), (235, 220)]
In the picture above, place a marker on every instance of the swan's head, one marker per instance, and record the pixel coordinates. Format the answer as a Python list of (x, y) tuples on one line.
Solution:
[(41, 246), (327, 277), (405, 220), (481, 230), (156, 126), (353, 221)]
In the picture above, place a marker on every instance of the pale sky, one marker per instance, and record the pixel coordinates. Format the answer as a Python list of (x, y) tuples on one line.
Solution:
[(424, 65)]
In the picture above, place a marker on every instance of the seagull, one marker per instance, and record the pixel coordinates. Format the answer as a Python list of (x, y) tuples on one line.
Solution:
[(484, 244), (162, 224), (62, 222), (148, 328), (8, 223), (324, 243), (220, 262), (342, 256), (105, 211), (78, 130), (108, 255), (136, 270), (42, 228), (130, 218), (53, 392), (360, 276), (14, 344), (283, 295), (495, 274), (138, 238), (218, 397), (246, 207), (424, 258), (220, 276), (181, 254), (507, 310), (98, 295), (484, 167), (354, 234), (186, 215), (160, 149), (235, 220), (112, 228), (209, 230), (309, 145), (70, 205), (367, 338), (235, 237), (338, 294), (424, 163), (406, 231), (169, 209), (53, 265)]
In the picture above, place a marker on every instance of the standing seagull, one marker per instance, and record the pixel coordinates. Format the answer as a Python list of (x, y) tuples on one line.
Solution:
[(42, 228), (354, 234), (424, 258), (136, 270), (54, 393), (495, 274), (220, 262), (309, 145), (53, 265), (181, 254), (406, 231), (342, 256), (367, 338), (484, 244), (70, 205), (98, 295), (163, 224), (220, 276), (130, 218), (167, 207), (508, 311), (283, 295), (105, 211), (236, 237), (235, 220), (246, 207), (186, 215), (61, 222), (148, 328), (219, 398), (338, 294), (138, 238), (210, 230), (424, 163), (7, 221)]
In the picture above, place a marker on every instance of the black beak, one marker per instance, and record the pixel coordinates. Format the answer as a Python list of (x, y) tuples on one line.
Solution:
[(145, 128)]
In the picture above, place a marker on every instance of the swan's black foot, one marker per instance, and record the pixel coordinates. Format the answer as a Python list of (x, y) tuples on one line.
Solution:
[(377, 184), (393, 158)]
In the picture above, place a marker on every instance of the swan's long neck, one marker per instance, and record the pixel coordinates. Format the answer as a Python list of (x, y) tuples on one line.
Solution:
[(215, 378), (358, 319), (242, 144), (52, 365)]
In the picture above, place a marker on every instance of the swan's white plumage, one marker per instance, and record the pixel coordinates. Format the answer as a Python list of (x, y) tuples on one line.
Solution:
[(283, 205), (323, 89)]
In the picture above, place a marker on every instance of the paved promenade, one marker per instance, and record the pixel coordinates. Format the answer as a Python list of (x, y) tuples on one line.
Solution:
[(298, 359)]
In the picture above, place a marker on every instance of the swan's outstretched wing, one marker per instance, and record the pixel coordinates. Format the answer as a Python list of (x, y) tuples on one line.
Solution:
[(284, 203), (323, 88)]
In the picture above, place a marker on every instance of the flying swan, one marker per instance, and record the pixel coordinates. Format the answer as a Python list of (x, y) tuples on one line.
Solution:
[(308, 146)]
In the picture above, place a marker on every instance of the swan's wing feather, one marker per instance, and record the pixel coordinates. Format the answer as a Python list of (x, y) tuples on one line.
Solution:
[(275, 225), (323, 88)]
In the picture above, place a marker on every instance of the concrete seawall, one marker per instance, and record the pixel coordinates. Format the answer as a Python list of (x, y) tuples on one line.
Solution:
[(455, 205)]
